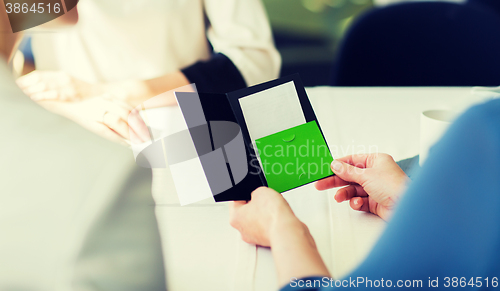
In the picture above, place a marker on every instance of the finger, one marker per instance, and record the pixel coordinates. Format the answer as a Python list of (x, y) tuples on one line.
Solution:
[(119, 111), (36, 88), (46, 95), (68, 93), (358, 160), (28, 80), (234, 208), (114, 122), (348, 172), (134, 138), (121, 103), (360, 204), (138, 127), (264, 191), (237, 204), (115, 106), (138, 132), (107, 133), (330, 182), (57, 79), (347, 193)]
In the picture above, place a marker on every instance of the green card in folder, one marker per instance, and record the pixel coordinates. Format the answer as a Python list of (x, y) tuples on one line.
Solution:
[(294, 157)]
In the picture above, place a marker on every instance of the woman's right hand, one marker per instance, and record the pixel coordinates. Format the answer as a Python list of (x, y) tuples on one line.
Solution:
[(106, 116), (374, 182)]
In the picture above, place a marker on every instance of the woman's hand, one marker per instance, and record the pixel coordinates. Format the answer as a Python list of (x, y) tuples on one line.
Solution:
[(108, 117), (268, 220), (55, 85), (59, 86), (374, 183), (257, 218)]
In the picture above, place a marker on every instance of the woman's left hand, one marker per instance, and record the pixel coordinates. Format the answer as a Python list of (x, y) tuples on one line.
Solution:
[(267, 220), (55, 85), (257, 218)]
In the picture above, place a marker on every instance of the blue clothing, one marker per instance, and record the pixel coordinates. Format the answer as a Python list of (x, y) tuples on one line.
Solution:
[(448, 223)]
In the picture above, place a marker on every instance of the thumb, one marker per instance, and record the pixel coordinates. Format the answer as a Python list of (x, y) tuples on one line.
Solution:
[(237, 204), (348, 172)]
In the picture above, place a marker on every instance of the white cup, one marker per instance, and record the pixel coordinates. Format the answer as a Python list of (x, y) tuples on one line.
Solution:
[(433, 124)]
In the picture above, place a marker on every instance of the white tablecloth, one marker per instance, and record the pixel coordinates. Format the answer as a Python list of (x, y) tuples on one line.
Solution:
[(202, 252)]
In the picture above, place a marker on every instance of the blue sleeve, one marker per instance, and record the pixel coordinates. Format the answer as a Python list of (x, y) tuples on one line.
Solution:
[(448, 223), (217, 75)]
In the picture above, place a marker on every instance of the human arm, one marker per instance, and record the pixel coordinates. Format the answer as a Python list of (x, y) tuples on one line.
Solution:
[(60, 86), (446, 227), (216, 75), (241, 31), (374, 182), (244, 54), (110, 118), (268, 220), (436, 231)]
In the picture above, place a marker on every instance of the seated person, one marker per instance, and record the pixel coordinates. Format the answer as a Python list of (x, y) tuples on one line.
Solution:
[(76, 213), (446, 223), (135, 50)]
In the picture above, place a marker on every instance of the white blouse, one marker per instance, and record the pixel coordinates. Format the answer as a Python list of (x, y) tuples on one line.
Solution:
[(142, 39)]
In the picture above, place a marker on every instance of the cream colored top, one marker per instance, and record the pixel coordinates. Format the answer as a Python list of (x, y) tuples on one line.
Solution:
[(117, 40)]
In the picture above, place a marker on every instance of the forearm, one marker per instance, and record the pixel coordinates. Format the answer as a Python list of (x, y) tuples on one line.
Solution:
[(294, 251), (136, 92)]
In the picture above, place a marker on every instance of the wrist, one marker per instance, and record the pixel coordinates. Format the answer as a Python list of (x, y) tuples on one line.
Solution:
[(286, 225)]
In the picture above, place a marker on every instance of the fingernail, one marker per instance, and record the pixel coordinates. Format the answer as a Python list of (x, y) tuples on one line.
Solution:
[(336, 166), (356, 201)]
